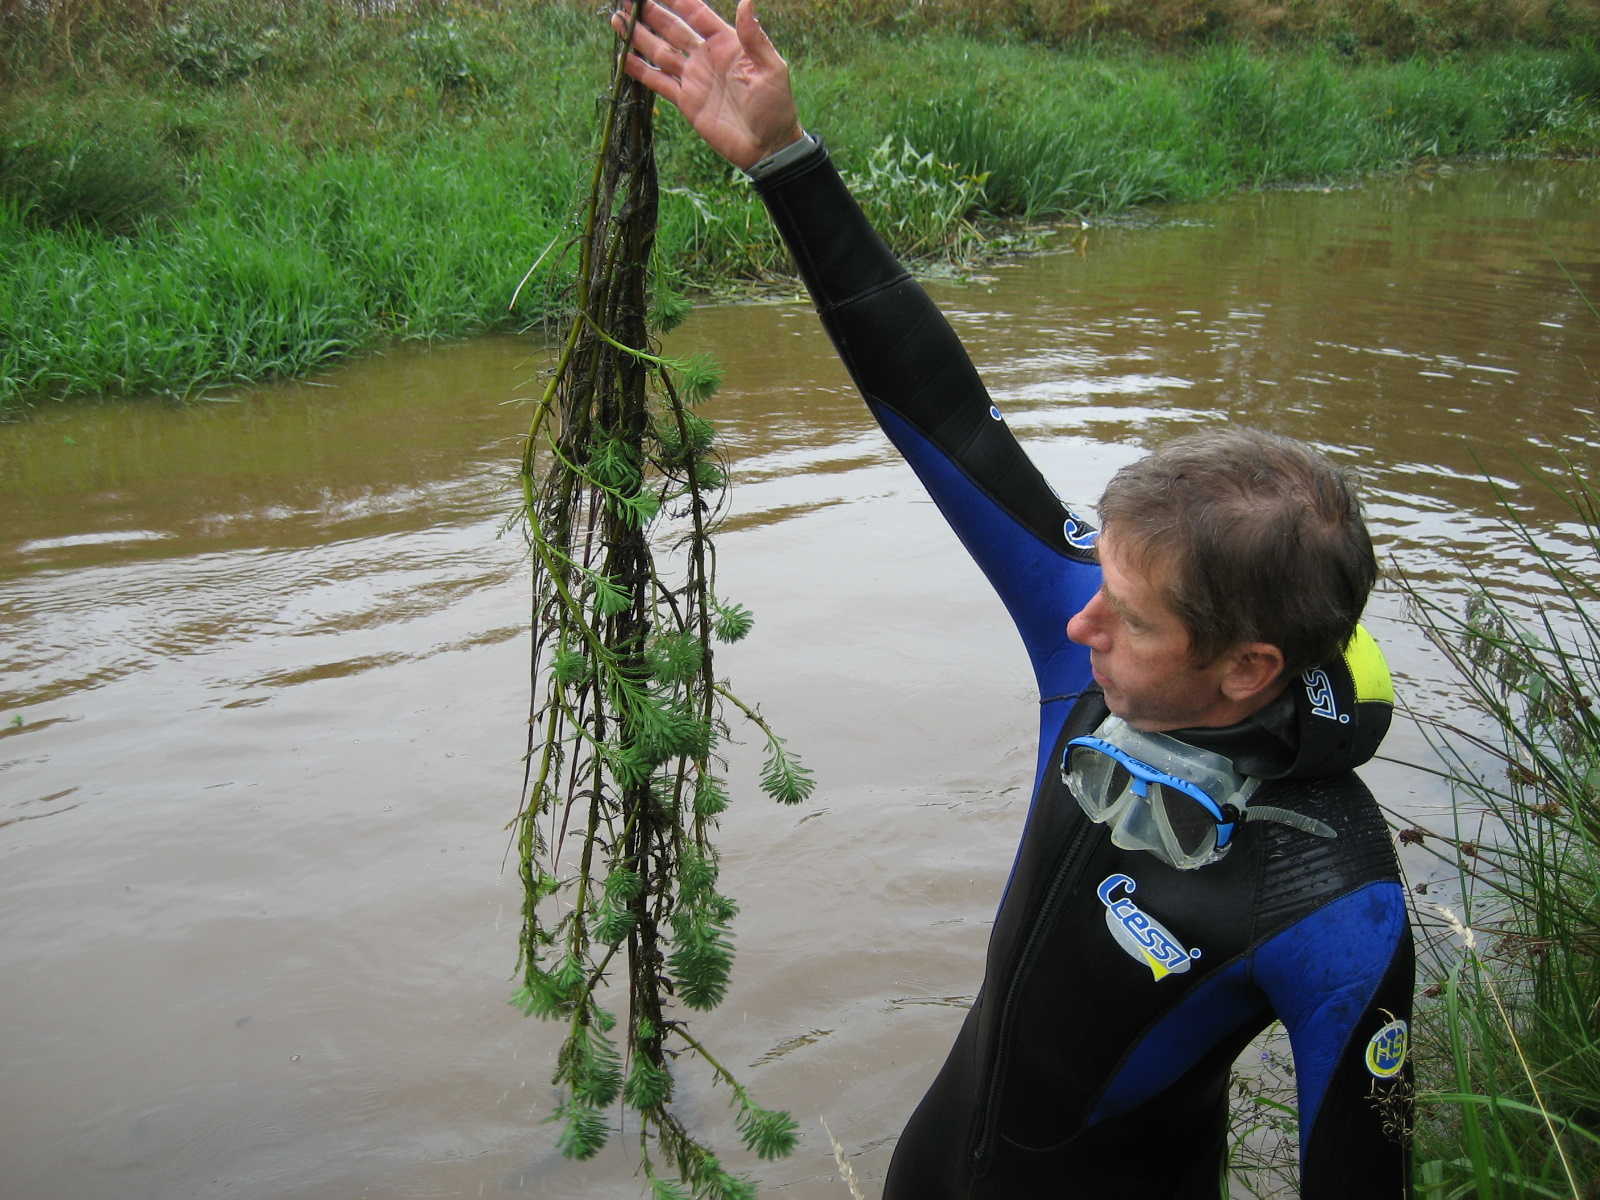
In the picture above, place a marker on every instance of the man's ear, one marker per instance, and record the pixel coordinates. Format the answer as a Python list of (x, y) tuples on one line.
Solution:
[(1252, 670)]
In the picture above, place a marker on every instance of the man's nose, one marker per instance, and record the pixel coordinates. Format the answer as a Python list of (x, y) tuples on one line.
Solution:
[(1085, 627)]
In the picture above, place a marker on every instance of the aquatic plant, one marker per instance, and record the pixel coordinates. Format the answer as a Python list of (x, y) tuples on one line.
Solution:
[(621, 491)]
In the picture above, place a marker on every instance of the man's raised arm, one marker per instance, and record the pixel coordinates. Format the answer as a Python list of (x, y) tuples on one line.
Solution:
[(733, 88)]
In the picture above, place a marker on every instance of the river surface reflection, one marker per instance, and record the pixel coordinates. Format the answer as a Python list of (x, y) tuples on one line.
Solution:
[(264, 678)]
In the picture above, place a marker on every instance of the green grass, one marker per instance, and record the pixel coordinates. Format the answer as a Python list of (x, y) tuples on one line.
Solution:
[(1509, 1046), (202, 195), (1083, 131), (1381, 28), (279, 263)]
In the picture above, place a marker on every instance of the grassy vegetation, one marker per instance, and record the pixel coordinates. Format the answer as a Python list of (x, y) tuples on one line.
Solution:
[(202, 200), (1510, 1065), (1390, 28), (201, 193)]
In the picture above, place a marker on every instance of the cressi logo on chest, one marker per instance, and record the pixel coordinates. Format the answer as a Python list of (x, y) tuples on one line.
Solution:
[(1140, 935)]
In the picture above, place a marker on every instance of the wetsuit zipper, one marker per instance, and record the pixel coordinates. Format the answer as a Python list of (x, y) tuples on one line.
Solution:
[(1068, 867)]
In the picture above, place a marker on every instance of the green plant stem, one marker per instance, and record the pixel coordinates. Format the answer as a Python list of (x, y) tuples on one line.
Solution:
[(710, 1060), (1533, 1085), (750, 714)]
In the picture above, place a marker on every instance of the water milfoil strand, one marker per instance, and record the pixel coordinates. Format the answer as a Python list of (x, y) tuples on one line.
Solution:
[(626, 928)]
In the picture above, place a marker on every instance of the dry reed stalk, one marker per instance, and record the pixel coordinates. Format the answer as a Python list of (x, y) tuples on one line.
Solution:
[(846, 1171)]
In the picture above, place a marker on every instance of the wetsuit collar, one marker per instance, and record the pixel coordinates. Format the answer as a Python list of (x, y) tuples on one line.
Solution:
[(1326, 722)]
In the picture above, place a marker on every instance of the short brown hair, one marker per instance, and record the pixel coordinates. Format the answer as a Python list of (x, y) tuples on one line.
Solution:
[(1260, 537)]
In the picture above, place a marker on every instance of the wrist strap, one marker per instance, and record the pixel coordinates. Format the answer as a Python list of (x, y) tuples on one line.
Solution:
[(779, 159)]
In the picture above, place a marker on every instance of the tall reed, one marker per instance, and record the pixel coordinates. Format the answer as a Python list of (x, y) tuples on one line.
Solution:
[(1513, 1101)]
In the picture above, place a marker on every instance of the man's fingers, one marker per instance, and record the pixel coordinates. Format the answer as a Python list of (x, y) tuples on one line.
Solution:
[(699, 16), (670, 27), (653, 77), (753, 38), (646, 44)]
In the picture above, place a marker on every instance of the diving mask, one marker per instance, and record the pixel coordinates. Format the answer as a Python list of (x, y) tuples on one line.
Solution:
[(1177, 801)]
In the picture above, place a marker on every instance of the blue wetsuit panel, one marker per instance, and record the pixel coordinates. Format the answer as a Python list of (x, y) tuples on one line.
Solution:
[(1040, 587), (1322, 975)]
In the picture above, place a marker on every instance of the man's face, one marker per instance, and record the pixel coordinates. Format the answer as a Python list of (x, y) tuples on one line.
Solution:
[(1139, 650)]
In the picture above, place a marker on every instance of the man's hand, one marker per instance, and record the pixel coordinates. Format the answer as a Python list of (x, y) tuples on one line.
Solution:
[(726, 79)]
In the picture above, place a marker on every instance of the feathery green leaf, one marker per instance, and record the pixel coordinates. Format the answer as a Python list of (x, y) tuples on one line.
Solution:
[(701, 960), (723, 1186), (782, 775), (768, 1133), (699, 376), (666, 1189), (668, 308), (623, 885), (733, 621), (568, 666), (638, 509), (675, 658), (609, 597), (697, 871), (612, 924), (583, 1130), (648, 1086), (710, 797), (710, 478)]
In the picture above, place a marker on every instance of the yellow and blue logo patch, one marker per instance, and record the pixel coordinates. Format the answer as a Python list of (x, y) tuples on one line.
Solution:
[(1386, 1051)]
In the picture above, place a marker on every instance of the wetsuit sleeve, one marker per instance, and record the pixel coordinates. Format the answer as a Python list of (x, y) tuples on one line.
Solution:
[(924, 391), (1341, 981)]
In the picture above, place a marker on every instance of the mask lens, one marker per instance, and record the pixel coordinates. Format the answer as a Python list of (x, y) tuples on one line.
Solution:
[(1096, 779), (1194, 830), (1120, 781), (1138, 828)]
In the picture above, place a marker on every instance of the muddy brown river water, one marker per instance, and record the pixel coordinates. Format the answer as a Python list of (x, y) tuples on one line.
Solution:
[(263, 680)]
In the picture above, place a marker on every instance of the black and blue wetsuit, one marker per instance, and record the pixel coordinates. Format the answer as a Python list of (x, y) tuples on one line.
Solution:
[(1119, 991)]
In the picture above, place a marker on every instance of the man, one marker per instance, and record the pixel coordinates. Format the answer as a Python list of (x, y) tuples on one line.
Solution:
[(1198, 858)]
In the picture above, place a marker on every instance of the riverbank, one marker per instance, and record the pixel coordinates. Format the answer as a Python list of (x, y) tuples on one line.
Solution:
[(188, 204)]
